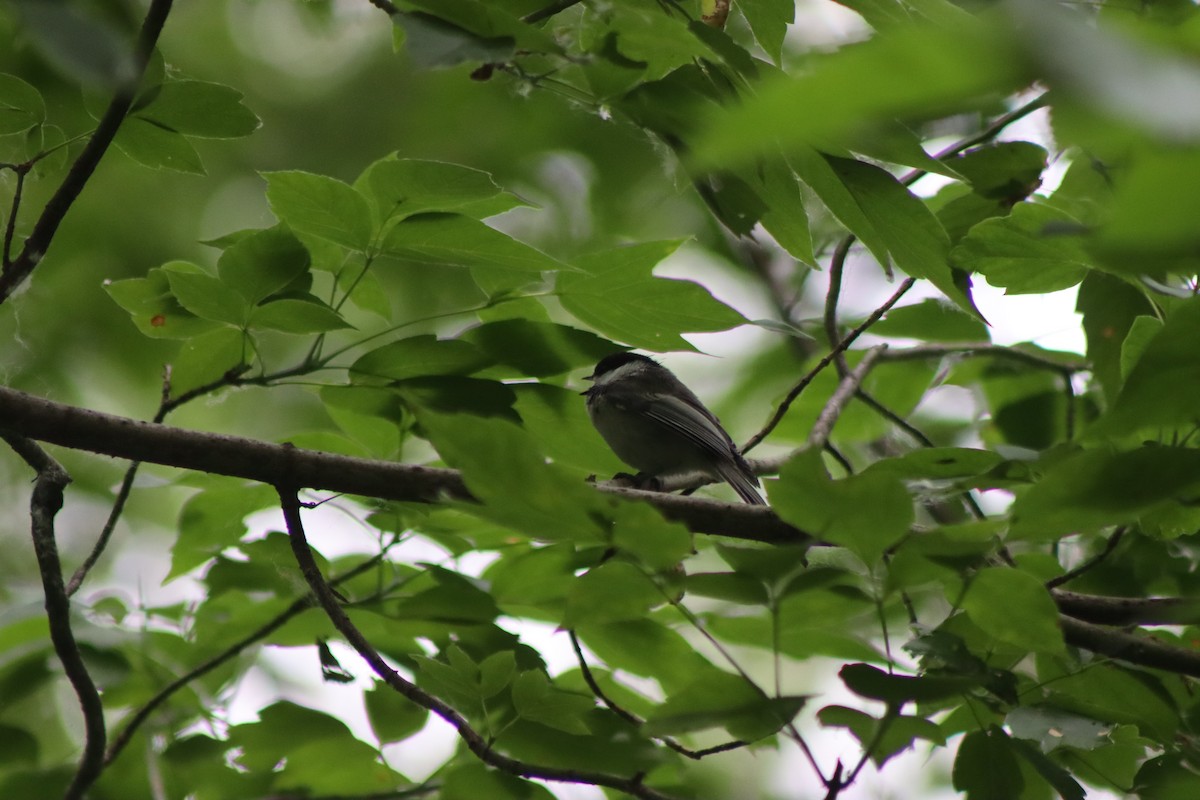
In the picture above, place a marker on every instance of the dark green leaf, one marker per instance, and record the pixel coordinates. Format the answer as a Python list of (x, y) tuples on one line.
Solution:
[(537, 349), (297, 315), (1163, 384), (769, 20), (263, 262), (205, 295), (875, 684), (888, 736), (986, 768), (1108, 305), (417, 356), (154, 146), (726, 701), (1052, 728), (914, 238), (211, 520), (471, 781), (1095, 488), (154, 310), (938, 463), (207, 358), (1058, 778), (538, 701), (931, 320), (17, 746), (1023, 253), (199, 108), (393, 716), (21, 105), (1008, 171)]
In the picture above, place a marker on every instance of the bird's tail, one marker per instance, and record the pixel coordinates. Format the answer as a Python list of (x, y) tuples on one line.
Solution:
[(739, 475)]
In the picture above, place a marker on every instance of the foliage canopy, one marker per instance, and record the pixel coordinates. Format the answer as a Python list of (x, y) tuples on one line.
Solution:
[(395, 235)]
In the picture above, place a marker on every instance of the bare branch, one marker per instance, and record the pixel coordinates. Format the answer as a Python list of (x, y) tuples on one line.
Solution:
[(819, 435), (268, 463), (34, 249), (474, 741), (1127, 610), (1140, 650), (47, 499), (1091, 563), (837, 350)]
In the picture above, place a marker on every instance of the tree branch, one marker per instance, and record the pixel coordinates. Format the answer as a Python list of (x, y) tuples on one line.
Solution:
[(837, 349), (239, 457), (823, 427), (81, 171), (1128, 610), (473, 740), (43, 507), (1139, 650)]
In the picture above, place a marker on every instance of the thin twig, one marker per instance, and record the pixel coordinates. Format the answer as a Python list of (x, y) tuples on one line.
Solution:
[(10, 229), (633, 719), (34, 249), (823, 427), (984, 349), (837, 350), (1091, 563), (47, 499), (474, 741), (138, 718)]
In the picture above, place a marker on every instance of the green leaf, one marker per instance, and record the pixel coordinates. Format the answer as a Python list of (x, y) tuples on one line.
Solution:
[(305, 314), (1014, 607), (1163, 384), (537, 349), (1007, 171), (938, 463), (611, 592), (154, 146), (648, 648), (726, 701), (403, 187), (875, 684), (207, 358), (1111, 694), (785, 217), (204, 295), (431, 43), (452, 598), (538, 701), (985, 767), (1022, 253), (471, 781), (455, 394), (1109, 306), (914, 238), (320, 206), (1148, 217), (769, 20), (298, 736), (931, 320), (393, 716), (886, 737), (1059, 779), (865, 513), (504, 470), (202, 109), (21, 105), (17, 746), (154, 310), (1096, 488), (641, 531), (913, 72), (212, 520), (458, 241), (660, 41), (496, 673), (417, 356), (1052, 728), (1141, 332), (618, 295), (263, 262)]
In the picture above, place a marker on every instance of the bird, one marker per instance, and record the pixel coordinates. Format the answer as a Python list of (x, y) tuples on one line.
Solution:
[(657, 425)]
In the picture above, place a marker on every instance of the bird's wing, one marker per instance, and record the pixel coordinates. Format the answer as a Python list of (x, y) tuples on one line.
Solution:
[(694, 423)]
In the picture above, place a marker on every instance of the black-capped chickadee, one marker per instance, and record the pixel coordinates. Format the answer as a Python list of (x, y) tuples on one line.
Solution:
[(657, 425)]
